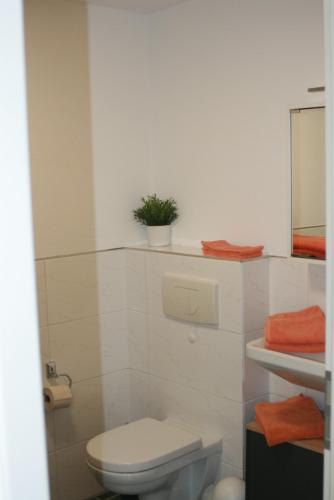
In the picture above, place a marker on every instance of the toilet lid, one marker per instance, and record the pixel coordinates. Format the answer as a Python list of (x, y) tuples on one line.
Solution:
[(139, 446)]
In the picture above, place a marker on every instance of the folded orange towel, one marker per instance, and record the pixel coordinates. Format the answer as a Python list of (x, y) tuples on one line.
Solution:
[(225, 249), (295, 418), (315, 246), (298, 331)]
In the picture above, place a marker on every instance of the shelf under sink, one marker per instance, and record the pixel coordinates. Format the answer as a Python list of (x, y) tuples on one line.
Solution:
[(307, 370)]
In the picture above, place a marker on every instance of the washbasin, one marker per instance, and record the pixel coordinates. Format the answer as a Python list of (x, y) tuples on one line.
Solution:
[(307, 370)]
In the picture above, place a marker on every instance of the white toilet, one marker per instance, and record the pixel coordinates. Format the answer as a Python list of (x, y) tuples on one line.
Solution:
[(155, 460)]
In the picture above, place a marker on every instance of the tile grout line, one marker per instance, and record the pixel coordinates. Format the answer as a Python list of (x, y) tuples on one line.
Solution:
[(78, 254)]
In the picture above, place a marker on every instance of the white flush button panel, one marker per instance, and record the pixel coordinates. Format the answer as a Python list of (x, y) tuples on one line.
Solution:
[(190, 299)]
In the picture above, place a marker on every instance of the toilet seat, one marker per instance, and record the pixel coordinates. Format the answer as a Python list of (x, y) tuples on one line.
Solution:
[(140, 446)]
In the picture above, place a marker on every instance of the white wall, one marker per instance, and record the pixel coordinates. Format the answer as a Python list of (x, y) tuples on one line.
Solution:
[(120, 109), (207, 382), (224, 75)]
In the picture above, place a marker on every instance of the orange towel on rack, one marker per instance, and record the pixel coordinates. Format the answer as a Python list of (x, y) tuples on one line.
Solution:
[(223, 248), (299, 331), (290, 420), (314, 246)]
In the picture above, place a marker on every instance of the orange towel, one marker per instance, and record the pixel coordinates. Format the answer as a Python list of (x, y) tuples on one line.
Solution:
[(299, 331), (315, 246), (295, 418), (225, 249)]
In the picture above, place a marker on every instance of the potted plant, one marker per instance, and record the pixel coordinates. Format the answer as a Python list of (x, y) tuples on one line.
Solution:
[(157, 215)]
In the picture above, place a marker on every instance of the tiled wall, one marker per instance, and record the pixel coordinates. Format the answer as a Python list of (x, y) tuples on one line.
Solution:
[(82, 308), (295, 284), (102, 321), (208, 382)]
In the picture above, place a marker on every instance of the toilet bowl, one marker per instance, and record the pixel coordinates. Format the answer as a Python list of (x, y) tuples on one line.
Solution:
[(156, 460)]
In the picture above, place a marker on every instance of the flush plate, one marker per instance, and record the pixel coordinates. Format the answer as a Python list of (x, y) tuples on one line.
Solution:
[(190, 299)]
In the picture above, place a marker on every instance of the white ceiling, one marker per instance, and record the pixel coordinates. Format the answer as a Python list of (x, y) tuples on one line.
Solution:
[(143, 6)]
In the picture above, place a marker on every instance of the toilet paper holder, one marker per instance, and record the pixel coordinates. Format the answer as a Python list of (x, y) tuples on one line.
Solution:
[(51, 372)]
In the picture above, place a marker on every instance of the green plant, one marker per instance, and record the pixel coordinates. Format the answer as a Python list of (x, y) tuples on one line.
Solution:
[(156, 212)]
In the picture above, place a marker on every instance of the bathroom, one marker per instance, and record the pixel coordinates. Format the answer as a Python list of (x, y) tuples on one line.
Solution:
[(188, 99)]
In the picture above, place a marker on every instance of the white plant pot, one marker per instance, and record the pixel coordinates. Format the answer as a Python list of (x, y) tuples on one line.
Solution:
[(159, 236)]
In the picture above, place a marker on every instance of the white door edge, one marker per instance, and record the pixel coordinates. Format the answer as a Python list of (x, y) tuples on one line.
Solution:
[(329, 82), (23, 466)]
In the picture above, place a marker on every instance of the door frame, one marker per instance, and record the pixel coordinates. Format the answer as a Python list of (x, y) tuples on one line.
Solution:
[(329, 82), (23, 463)]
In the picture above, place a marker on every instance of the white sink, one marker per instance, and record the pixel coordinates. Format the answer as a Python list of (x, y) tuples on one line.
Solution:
[(307, 370)]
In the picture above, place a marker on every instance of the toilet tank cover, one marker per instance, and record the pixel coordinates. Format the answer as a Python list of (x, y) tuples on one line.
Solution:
[(140, 446)]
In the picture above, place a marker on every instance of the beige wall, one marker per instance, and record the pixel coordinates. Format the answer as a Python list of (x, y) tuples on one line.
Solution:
[(308, 170), (59, 126), (83, 325), (81, 297)]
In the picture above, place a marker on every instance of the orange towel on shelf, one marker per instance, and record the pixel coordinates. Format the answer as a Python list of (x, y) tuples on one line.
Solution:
[(222, 248), (315, 246), (290, 420), (299, 331)]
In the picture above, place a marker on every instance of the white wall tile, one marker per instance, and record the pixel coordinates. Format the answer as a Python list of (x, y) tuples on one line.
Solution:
[(138, 340), (99, 404), (85, 285), (116, 403), (41, 293), (317, 285), (203, 358), (136, 280), (221, 416), (228, 470), (319, 397), (256, 378), (273, 398), (90, 347), (139, 395), (227, 274), (256, 293), (53, 476), (72, 287), (50, 431), (283, 388), (44, 347), (75, 482), (84, 418), (249, 408), (111, 280), (287, 284)]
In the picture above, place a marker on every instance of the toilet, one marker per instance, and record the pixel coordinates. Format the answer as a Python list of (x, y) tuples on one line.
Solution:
[(156, 460)]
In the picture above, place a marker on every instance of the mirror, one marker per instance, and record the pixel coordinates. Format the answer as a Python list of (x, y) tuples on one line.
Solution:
[(308, 182)]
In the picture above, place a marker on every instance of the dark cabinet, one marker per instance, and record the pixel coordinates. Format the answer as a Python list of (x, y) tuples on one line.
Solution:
[(286, 471)]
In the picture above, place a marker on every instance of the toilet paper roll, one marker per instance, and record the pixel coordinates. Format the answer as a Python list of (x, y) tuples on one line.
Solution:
[(57, 396)]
